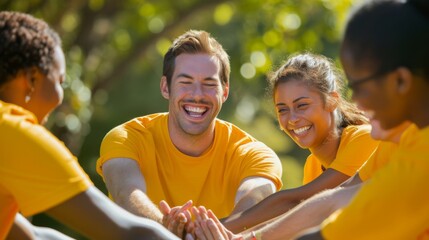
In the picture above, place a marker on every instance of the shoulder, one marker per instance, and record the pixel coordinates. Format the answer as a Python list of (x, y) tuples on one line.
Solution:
[(356, 133), (232, 132), (240, 141), (139, 125), (10, 114), (355, 130), (357, 139), (19, 127)]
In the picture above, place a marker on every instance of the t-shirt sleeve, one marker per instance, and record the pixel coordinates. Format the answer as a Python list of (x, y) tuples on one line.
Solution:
[(377, 160), (355, 149), (312, 169), (260, 160), (38, 169), (121, 142), (393, 204)]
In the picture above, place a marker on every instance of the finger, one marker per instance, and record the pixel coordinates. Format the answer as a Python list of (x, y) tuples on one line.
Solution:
[(196, 213), (180, 229), (188, 215), (165, 210), (169, 218), (190, 227), (206, 229), (219, 225), (164, 207), (211, 215), (172, 214), (214, 230), (200, 234), (184, 208), (203, 212)]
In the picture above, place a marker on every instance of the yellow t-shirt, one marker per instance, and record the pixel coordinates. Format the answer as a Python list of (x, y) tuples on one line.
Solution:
[(394, 203), (210, 180), (37, 171), (381, 156), (356, 146)]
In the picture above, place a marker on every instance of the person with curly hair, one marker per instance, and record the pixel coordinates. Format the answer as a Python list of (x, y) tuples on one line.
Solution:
[(37, 172)]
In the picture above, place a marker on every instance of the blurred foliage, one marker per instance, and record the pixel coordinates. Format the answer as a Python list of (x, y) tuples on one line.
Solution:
[(114, 53)]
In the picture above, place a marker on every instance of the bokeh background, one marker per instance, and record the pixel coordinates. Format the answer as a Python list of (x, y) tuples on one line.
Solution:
[(114, 51)]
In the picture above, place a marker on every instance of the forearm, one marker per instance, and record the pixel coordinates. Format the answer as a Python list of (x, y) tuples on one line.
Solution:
[(49, 234), (23, 229), (95, 216), (138, 203), (319, 207), (276, 204)]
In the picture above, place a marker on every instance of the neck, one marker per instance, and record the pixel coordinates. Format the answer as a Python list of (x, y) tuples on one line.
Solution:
[(191, 145), (327, 150)]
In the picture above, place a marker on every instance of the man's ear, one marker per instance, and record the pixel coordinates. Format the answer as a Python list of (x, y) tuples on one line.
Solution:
[(404, 80), (164, 88), (225, 92), (333, 100)]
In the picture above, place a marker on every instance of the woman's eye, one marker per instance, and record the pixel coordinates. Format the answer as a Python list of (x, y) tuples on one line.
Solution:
[(282, 110), (302, 105)]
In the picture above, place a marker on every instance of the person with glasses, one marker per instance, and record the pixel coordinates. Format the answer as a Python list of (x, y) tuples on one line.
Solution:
[(307, 94), (394, 204), (37, 171)]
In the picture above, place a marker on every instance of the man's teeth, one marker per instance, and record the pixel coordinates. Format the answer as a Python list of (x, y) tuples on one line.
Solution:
[(195, 109), (301, 130)]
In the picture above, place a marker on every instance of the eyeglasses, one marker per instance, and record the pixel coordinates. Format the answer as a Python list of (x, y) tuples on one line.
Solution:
[(354, 83)]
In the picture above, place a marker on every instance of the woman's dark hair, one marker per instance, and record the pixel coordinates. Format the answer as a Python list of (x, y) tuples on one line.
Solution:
[(25, 42), (319, 73), (390, 33)]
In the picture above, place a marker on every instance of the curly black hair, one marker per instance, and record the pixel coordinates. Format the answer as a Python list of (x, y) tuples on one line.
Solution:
[(25, 42)]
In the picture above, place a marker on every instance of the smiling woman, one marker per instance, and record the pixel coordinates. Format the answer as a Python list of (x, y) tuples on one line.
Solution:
[(311, 110)]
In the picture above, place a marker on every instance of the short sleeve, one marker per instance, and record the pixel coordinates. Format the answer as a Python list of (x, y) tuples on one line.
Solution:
[(312, 169), (355, 148), (123, 141), (260, 160), (377, 160), (37, 169)]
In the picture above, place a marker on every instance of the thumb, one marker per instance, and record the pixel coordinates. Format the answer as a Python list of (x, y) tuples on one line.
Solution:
[(164, 207)]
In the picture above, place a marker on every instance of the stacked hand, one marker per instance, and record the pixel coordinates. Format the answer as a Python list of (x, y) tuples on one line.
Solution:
[(206, 225), (177, 219)]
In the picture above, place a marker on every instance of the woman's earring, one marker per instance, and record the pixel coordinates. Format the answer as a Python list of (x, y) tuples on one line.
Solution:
[(28, 96)]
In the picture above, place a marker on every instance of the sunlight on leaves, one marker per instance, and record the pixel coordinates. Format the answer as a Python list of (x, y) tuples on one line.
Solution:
[(247, 70), (162, 46), (156, 25), (96, 4), (271, 38), (69, 22), (258, 59), (223, 14)]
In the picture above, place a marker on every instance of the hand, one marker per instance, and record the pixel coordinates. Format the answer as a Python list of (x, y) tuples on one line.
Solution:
[(208, 226), (177, 219)]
